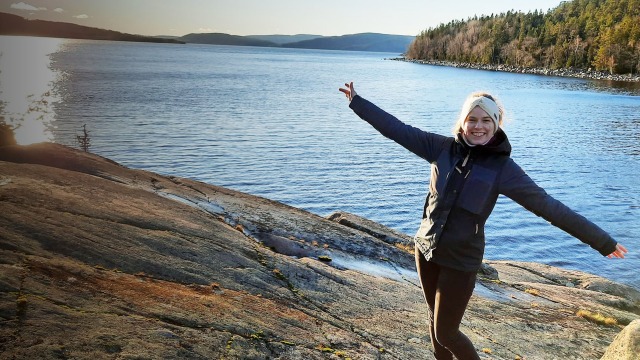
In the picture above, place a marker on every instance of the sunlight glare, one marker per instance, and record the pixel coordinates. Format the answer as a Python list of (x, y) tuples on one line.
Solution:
[(26, 86)]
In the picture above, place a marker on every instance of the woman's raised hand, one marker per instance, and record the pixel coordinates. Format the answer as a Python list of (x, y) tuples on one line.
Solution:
[(619, 252), (348, 90)]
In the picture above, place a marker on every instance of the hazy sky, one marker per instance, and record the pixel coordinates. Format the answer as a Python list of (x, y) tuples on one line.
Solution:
[(260, 17)]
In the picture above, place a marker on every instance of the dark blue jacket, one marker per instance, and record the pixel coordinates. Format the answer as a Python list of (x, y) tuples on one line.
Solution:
[(452, 229)]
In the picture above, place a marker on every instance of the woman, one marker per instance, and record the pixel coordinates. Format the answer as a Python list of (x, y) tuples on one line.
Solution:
[(468, 172)]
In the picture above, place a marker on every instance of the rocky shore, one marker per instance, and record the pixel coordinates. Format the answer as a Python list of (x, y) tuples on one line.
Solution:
[(99, 261), (574, 73)]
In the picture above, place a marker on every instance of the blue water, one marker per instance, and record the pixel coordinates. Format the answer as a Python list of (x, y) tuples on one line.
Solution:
[(271, 122)]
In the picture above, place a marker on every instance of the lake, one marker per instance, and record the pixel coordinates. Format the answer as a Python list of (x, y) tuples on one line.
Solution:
[(271, 122)]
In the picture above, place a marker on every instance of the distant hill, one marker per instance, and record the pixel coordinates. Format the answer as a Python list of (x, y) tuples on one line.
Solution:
[(355, 42), (224, 39), (15, 25), (166, 36), (283, 39), (358, 42)]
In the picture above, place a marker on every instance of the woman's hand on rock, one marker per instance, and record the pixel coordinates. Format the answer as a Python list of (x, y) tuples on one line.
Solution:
[(349, 91)]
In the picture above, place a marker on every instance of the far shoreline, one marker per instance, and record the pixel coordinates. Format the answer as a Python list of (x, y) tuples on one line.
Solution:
[(571, 73)]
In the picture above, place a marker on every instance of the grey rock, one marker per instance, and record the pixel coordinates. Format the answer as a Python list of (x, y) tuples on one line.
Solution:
[(98, 260)]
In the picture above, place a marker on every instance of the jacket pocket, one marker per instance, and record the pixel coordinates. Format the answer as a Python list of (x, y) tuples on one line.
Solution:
[(477, 190)]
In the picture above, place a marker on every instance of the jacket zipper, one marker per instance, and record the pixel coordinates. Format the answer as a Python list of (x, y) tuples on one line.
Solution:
[(464, 163)]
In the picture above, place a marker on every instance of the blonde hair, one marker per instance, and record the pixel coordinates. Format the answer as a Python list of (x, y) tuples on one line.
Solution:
[(457, 127)]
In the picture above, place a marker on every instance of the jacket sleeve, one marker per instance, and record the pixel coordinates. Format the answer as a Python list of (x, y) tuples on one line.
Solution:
[(424, 144), (518, 186)]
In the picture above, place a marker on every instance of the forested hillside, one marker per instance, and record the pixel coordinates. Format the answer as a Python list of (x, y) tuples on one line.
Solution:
[(599, 34)]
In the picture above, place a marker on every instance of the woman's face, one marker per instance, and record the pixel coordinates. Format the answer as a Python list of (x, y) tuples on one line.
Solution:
[(478, 128)]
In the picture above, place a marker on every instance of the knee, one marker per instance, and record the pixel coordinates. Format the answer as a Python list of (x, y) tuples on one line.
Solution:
[(447, 337)]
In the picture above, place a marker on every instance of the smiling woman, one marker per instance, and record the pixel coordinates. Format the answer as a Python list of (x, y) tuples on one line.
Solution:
[(468, 173), (26, 86), (479, 119)]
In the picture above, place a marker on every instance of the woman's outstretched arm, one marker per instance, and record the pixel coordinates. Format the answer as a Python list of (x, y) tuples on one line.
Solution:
[(425, 144), (518, 186)]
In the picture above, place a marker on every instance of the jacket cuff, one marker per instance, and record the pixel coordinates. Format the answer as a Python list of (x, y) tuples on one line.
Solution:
[(608, 248), (355, 101)]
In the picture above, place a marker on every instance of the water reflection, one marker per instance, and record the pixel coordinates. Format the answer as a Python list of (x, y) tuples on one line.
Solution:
[(26, 86), (589, 85), (616, 87)]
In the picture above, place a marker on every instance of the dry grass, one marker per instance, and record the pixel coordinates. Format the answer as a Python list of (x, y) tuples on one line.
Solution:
[(324, 349), (533, 292), (597, 318), (408, 247)]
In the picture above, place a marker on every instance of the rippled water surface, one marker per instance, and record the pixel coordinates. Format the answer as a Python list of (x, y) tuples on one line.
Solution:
[(271, 122)]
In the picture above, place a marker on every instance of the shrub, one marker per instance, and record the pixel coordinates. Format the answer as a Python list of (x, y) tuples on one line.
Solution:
[(7, 135), (84, 140)]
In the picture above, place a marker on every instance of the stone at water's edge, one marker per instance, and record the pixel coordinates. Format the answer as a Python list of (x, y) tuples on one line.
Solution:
[(101, 261), (626, 345), (573, 73)]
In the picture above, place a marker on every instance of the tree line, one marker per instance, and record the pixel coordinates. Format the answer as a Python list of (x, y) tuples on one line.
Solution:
[(581, 34)]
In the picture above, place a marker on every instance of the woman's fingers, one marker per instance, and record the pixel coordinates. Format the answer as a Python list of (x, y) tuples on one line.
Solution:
[(624, 249), (619, 252), (348, 90)]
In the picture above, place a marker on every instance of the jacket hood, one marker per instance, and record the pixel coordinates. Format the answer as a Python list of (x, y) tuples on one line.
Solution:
[(498, 145)]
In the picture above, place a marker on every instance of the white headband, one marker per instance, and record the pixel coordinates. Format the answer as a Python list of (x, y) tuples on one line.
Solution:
[(486, 104)]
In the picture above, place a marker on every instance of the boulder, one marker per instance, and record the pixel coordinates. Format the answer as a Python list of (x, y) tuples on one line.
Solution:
[(626, 345)]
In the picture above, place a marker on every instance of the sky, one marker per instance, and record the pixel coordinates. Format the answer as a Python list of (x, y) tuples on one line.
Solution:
[(265, 17)]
